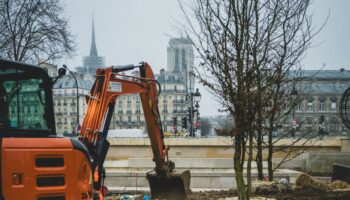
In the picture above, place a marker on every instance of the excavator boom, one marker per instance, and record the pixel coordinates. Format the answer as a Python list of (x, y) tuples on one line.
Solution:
[(110, 83)]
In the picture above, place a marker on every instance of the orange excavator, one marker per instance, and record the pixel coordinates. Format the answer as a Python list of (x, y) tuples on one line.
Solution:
[(37, 164)]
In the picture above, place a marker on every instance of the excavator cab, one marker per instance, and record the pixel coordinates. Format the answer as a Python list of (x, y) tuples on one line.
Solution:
[(35, 163)]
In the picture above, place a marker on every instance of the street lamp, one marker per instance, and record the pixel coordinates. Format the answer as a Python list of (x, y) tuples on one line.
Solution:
[(197, 96), (194, 98), (77, 96), (294, 95)]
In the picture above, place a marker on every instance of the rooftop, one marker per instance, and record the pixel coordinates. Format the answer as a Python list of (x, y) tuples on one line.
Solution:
[(340, 74), (69, 82)]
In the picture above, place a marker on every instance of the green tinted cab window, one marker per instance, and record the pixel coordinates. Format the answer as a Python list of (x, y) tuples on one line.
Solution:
[(23, 104)]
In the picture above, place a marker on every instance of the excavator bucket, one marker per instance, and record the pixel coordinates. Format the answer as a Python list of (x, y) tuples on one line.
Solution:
[(174, 187)]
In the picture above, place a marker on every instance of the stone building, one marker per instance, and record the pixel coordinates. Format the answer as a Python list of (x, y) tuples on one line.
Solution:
[(171, 103), (180, 60), (176, 83), (65, 103), (65, 99), (321, 92)]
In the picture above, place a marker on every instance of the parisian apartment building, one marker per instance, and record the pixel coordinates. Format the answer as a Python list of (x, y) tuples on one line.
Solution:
[(320, 92)]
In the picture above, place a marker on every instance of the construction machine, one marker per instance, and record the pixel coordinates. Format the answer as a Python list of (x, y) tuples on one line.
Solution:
[(38, 164)]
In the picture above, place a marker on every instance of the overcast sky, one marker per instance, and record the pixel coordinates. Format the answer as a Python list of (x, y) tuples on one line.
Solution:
[(130, 31)]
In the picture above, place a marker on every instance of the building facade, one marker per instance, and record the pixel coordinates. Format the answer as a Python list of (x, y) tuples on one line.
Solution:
[(180, 60), (65, 103), (171, 103), (320, 93)]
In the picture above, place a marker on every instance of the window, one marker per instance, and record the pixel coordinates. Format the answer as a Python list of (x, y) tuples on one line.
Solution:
[(309, 124), (322, 106), (120, 108), (333, 106), (298, 107), (129, 119), (310, 106), (138, 119), (128, 109), (177, 58), (138, 108), (333, 125), (183, 56), (22, 94)]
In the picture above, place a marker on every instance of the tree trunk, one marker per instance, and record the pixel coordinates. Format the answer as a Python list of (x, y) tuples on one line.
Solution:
[(238, 168), (249, 165), (270, 151), (259, 159)]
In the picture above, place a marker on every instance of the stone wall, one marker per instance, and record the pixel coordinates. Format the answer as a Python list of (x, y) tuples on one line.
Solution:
[(221, 147)]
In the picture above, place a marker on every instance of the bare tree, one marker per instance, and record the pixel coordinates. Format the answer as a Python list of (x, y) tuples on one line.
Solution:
[(225, 126), (248, 49), (34, 31), (205, 127)]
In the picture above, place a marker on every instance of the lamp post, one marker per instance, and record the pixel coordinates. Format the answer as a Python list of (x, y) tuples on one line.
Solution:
[(197, 124), (77, 96), (194, 98), (294, 95)]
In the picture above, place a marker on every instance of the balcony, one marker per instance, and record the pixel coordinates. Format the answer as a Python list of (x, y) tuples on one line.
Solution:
[(179, 111), (174, 91), (179, 102), (59, 113)]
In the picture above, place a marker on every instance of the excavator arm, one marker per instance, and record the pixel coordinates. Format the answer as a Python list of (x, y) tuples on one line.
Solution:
[(109, 85)]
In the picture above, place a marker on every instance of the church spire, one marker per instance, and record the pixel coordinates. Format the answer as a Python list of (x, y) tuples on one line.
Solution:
[(93, 49)]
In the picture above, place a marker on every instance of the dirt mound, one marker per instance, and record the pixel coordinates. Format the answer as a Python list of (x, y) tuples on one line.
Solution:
[(311, 194), (339, 185), (307, 182)]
